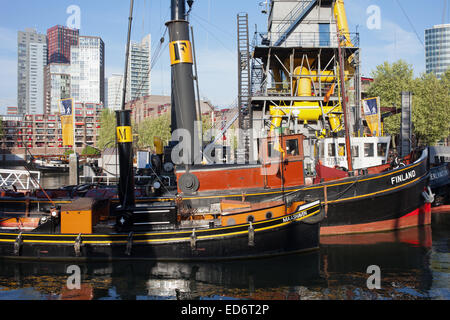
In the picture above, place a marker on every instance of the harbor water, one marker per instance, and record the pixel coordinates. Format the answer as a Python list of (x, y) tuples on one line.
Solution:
[(413, 264)]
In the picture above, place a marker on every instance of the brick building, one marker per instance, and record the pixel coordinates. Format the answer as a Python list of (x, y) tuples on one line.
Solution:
[(42, 134), (153, 106)]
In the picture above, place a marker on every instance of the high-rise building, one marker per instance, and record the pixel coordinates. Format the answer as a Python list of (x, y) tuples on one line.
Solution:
[(57, 86), (437, 48), (60, 40), (114, 88), (31, 60), (138, 82), (88, 70)]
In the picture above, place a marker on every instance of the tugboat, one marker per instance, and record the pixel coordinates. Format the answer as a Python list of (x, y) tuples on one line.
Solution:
[(301, 140), (305, 167), (87, 230)]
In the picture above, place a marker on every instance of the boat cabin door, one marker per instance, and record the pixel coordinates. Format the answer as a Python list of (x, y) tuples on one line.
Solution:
[(283, 161)]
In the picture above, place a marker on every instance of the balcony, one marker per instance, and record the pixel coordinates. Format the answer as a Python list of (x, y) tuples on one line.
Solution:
[(303, 39)]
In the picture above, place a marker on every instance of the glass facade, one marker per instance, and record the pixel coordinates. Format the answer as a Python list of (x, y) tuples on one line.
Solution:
[(88, 70), (31, 61), (437, 49), (138, 82), (114, 90)]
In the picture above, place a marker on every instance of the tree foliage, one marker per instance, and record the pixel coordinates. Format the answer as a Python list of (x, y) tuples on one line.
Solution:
[(430, 114), (153, 127), (90, 151), (389, 82), (107, 134)]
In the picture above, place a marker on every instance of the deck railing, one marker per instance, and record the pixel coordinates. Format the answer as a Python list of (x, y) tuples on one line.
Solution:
[(303, 39), (21, 179)]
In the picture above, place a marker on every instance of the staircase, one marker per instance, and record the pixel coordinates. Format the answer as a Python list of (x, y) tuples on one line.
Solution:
[(292, 20)]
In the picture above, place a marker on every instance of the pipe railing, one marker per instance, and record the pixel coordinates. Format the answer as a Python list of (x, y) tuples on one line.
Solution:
[(304, 39)]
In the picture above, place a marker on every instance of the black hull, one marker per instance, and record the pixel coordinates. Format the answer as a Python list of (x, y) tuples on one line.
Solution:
[(352, 201), (280, 236), (440, 184)]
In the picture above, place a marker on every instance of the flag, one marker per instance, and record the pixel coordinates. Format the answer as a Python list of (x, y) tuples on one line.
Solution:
[(66, 110), (372, 115)]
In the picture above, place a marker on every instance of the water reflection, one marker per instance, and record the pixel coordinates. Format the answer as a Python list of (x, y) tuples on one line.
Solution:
[(410, 267)]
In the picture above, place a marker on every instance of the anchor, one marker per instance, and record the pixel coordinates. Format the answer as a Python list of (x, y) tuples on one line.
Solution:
[(428, 196)]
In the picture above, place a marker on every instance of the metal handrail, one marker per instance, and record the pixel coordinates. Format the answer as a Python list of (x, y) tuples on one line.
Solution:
[(20, 178), (304, 39)]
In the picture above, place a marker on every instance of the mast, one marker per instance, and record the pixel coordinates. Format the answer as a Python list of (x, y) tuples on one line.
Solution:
[(125, 137), (184, 112), (344, 103)]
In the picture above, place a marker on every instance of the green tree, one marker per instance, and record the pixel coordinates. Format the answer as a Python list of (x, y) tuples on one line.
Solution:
[(154, 127), (68, 152), (107, 134), (90, 151), (431, 114), (389, 81)]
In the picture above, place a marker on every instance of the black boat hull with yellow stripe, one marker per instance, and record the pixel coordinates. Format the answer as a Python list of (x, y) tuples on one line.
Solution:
[(297, 231)]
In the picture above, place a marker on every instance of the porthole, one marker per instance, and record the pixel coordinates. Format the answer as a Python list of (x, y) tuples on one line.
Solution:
[(269, 215), (251, 219)]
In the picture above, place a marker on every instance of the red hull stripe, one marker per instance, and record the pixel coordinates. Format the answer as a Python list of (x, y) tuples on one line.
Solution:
[(421, 237), (418, 217), (441, 209)]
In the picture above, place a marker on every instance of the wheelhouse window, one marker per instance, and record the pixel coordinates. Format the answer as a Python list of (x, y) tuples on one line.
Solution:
[(272, 152), (355, 151), (331, 150), (369, 150), (341, 150), (292, 147), (382, 149)]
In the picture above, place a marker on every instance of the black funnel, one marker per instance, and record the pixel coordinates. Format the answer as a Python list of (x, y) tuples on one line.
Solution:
[(184, 112), (125, 146)]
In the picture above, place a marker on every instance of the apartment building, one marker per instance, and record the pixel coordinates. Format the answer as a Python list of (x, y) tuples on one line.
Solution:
[(88, 70), (42, 134), (139, 65), (31, 61)]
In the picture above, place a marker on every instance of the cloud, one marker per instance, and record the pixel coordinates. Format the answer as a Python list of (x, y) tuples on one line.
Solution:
[(391, 43)]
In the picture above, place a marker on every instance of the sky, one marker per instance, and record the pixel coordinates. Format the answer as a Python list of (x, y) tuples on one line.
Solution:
[(389, 30)]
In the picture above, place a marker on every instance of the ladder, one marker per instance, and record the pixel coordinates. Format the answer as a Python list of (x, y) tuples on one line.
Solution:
[(244, 86)]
